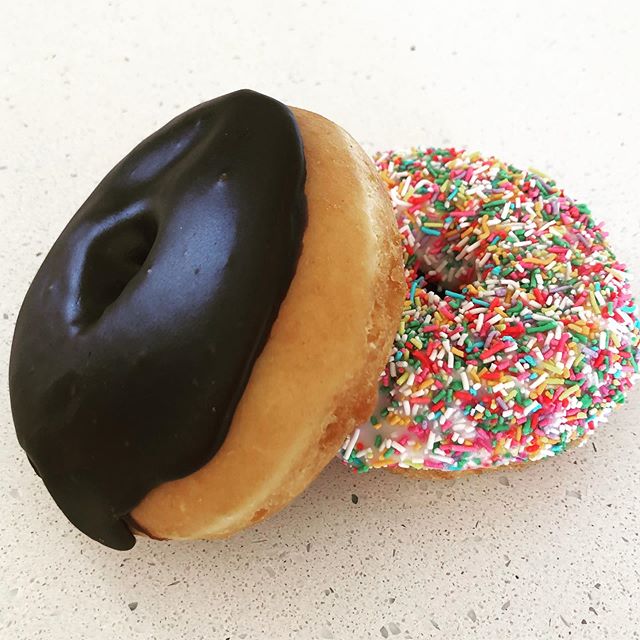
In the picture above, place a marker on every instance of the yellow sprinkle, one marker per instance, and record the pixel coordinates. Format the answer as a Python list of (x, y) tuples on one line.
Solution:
[(541, 261), (550, 366), (570, 392), (467, 232), (579, 329), (457, 352), (518, 433), (402, 379), (511, 395), (539, 173), (416, 342)]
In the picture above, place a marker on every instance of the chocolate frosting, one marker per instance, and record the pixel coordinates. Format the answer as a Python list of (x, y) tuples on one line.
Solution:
[(137, 337)]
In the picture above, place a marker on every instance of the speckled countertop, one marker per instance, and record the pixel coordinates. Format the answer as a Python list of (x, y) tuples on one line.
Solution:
[(551, 551)]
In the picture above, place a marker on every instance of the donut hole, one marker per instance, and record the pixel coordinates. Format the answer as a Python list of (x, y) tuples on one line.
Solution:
[(440, 275), (112, 260), (434, 282)]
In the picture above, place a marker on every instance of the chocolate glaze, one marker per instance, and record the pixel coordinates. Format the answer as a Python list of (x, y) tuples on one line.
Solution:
[(137, 336)]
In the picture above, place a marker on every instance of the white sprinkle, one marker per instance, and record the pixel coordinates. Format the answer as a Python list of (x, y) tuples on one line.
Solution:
[(398, 447), (540, 380), (603, 340), (352, 444), (440, 457)]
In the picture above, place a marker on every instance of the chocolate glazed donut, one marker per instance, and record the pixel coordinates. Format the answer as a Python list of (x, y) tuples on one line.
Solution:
[(139, 332)]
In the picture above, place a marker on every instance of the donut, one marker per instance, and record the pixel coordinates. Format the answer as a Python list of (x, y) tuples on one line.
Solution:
[(193, 350), (519, 333)]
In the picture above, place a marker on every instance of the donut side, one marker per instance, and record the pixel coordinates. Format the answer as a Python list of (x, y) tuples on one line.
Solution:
[(316, 378)]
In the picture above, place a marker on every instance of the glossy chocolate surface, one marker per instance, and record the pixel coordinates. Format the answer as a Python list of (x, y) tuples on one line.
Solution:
[(138, 334)]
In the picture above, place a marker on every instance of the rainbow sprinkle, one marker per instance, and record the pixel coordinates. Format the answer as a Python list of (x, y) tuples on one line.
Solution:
[(519, 333)]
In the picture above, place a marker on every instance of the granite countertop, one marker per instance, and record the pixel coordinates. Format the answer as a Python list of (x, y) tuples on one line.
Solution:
[(549, 551)]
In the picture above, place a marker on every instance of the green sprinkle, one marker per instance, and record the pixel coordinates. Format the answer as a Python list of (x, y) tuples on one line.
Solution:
[(542, 328)]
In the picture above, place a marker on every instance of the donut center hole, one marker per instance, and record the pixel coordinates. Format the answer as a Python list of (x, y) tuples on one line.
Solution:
[(433, 281), (112, 260)]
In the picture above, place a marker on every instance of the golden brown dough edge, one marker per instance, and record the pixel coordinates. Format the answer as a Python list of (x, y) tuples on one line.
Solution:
[(316, 379)]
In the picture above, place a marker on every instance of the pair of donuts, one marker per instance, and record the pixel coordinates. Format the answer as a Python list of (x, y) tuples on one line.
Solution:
[(210, 327)]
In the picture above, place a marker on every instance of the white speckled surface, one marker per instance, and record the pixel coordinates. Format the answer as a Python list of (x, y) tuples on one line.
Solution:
[(552, 551)]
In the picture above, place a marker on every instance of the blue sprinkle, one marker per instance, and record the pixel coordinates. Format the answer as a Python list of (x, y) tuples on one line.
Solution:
[(430, 232), (480, 302), (453, 294), (537, 407), (414, 286)]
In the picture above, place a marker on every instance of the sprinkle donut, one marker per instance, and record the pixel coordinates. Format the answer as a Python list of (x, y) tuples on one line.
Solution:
[(519, 333)]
